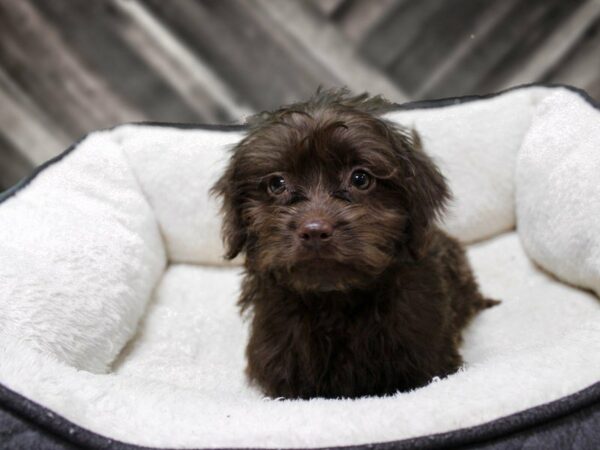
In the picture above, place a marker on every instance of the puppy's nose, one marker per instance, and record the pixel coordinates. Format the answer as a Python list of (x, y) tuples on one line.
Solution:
[(314, 231)]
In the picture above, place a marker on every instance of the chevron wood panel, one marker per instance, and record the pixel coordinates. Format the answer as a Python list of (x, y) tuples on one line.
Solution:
[(70, 66)]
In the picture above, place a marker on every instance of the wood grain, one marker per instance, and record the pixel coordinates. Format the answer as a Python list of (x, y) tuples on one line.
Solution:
[(68, 67)]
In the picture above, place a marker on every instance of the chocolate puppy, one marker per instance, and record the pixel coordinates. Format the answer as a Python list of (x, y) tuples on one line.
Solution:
[(352, 288)]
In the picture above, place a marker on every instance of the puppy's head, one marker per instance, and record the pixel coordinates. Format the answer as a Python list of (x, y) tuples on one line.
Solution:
[(325, 195)]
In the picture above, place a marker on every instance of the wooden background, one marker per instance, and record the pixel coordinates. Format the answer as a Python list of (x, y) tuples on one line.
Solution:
[(71, 66)]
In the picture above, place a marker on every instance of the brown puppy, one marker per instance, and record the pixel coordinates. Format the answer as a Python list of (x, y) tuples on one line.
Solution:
[(353, 289)]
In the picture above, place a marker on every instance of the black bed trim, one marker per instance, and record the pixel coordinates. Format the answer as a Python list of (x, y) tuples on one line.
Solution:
[(546, 416), (528, 421), (451, 101)]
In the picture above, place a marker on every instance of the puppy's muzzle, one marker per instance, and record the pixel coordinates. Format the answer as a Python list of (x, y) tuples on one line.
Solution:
[(314, 233)]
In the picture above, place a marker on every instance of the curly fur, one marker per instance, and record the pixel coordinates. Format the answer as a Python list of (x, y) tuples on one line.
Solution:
[(381, 306)]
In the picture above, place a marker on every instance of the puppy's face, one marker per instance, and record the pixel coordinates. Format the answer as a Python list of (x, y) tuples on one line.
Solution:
[(325, 197)]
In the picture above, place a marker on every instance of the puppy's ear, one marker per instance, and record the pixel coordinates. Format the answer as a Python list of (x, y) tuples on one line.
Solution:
[(232, 229), (427, 192)]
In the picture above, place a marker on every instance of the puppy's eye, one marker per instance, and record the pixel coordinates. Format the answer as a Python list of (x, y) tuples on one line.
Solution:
[(360, 179), (277, 185)]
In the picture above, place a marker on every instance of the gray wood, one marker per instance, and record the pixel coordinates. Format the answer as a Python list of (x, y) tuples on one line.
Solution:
[(253, 57), (35, 134), (358, 18), (332, 50), (493, 53), (452, 23), (562, 41), (395, 33), (114, 60), (13, 164), (435, 82), (327, 7), (42, 63), (198, 86), (528, 30), (71, 66), (581, 67), (32, 138)]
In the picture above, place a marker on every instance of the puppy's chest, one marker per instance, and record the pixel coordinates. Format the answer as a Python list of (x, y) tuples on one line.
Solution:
[(359, 338)]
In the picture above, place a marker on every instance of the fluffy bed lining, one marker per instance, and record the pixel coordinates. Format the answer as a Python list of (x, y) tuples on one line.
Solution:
[(118, 313)]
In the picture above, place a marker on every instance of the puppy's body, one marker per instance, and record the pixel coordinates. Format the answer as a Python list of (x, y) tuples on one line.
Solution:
[(396, 334), (353, 289)]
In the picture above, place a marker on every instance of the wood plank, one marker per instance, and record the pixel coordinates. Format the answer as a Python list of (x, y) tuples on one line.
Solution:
[(562, 40), (480, 69), (358, 18), (434, 81), (593, 88), (513, 45), (93, 31), (330, 48), (13, 165), (580, 67), (27, 136), (439, 35), (41, 63), (53, 132), (35, 138), (254, 57), (394, 35), (327, 7), (195, 82)]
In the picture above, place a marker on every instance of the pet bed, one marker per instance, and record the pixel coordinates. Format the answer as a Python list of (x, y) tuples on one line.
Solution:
[(118, 323)]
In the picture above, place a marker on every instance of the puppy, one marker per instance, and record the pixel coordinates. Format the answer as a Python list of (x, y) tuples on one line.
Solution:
[(352, 288)]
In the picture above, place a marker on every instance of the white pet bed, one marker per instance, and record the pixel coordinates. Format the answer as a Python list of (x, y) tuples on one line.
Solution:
[(118, 322)]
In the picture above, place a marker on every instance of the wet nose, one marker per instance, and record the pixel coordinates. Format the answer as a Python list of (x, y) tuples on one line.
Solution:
[(315, 231)]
